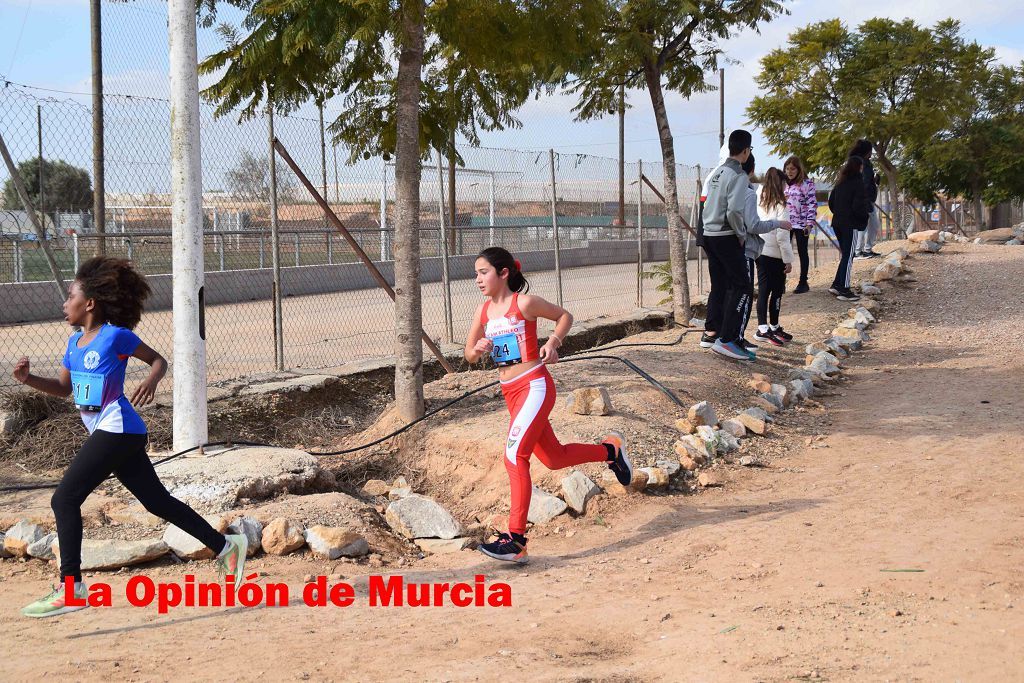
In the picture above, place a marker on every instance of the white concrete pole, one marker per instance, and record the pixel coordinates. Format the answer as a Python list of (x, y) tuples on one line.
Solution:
[(190, 427)]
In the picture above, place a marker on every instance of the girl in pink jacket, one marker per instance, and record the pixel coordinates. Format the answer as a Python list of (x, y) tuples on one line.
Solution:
[(802, 206)]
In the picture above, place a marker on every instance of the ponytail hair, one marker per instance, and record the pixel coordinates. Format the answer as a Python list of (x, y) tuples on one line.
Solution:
[(501, 259)]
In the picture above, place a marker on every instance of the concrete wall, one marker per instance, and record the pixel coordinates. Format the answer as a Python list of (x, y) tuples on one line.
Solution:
[(37, 301)]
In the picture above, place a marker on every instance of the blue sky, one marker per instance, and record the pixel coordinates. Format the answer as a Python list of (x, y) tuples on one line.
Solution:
[(45, 43)]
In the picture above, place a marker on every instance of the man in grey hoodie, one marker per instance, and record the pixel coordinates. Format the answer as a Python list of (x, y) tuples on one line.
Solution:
[(724, 235)]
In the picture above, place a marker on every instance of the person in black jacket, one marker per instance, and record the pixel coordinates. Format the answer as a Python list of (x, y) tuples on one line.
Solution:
[(849, 205), (864, 239)]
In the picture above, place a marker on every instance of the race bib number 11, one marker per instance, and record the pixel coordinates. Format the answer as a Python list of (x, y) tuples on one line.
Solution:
[(87, 388)]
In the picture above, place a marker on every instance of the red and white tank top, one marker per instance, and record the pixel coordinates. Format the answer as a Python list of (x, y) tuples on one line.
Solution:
[(512, 323)]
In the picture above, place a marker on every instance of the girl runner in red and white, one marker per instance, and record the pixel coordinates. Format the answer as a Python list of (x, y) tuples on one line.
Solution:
[(505, 327)]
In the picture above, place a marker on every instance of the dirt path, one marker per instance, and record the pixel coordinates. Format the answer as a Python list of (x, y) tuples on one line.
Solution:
[(777, 576)]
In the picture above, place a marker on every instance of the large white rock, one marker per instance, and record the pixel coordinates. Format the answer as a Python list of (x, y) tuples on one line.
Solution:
[(114, 554), (216, 483), (43, 548), (251, 528), (544, 507), (417, 516), (186, 546), (334, 542), (20, 536), (577, 489), (590, 401), (702, 414)]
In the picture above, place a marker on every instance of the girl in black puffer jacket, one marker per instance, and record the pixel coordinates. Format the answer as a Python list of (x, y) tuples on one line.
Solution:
[(849, 205)]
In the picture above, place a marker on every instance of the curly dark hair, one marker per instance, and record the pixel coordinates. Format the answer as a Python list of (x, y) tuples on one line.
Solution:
[(118, 289)]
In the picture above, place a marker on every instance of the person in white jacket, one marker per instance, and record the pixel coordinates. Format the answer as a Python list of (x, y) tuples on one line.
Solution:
[(775, 261)]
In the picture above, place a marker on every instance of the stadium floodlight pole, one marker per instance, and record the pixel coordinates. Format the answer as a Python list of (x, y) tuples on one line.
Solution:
[(190, 426)]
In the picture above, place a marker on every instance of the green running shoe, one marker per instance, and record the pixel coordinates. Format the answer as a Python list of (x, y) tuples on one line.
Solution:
[(53, 604), (233, 562)]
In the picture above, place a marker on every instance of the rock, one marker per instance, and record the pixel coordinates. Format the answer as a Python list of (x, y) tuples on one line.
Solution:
[(709, 479), (1014, 242), (590, 401), (863, 311), (816, 348), (442, 546), (825, 363), (376, 487), (498, 522), (335, 542), (42, 549), (399, 493), (251, 528), (544, 506), (774, 399), (282, 536), (802, 388), (134, 514), (9, 423), (924, 236), (899, 254), (747, 461), (671, 467), (702, 414), (734, 427), (19, 537), (685, 426), (114, 554), (755, 420), (656, 477), (255, 473), (780, 392), (688, 462), (577, 489), (706, 433), (885, 271), (765, 405), (853, 324), (848, 339), (726, 442), (3, 552), (870, 290), (612, 486), (417, 516), (759, 385), (997, 236), (869, 305), (926, 247), (188, 547)]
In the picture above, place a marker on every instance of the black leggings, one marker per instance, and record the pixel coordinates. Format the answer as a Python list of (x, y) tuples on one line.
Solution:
[(771, 284), (124, 456), (801, 247)]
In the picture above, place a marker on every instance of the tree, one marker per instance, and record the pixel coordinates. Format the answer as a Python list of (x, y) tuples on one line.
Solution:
[(483, 58), (978, 157), (250, 179), (659, 44), (65, 187), (895, 83)]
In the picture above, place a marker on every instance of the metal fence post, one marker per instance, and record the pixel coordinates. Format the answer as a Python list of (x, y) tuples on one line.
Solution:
[(261, 250), (554, 229), (640, 235), (297, 262), (330, 249), (449, 332), (74, 247), (275, 247), (220, 249), (18, 266)]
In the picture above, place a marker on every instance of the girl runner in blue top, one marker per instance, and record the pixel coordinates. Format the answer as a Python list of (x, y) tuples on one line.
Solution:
[(105, 301)]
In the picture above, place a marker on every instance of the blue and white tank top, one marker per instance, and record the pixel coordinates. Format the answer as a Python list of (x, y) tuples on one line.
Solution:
[(97, 380)]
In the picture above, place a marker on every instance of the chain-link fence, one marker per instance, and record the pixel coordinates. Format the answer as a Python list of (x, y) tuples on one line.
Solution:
[(530, 202)]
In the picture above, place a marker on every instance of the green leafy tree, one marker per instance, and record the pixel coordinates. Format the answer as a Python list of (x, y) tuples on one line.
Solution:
[(65, 187), (663, 45), (979, 156), (480, 59), (893, 82)]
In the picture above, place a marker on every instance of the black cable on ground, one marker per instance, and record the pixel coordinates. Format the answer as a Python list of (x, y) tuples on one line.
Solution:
[(585, 355)]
